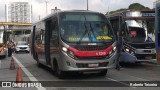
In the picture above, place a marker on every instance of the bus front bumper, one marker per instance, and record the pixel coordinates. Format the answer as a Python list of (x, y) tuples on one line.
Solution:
[(70, 64), (126, 57)]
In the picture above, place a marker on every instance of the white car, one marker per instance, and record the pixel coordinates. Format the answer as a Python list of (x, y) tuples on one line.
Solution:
[(22, 46)]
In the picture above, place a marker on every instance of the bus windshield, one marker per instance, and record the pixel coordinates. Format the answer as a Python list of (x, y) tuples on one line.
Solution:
[(140, 31), (85, 27)]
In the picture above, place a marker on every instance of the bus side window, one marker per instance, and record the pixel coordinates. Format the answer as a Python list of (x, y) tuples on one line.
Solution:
[(54, 33), (124, 29), (42, 36)]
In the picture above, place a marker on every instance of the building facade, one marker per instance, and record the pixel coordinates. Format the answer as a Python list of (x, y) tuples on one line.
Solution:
[(19, 12)]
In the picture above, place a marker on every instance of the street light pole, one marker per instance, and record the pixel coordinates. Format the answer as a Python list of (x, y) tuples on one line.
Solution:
[(87, 5), (5, 14), (46, 8)]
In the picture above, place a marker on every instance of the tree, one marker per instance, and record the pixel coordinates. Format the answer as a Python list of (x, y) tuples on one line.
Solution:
[(119, 10), (137, 6), (134, 6)]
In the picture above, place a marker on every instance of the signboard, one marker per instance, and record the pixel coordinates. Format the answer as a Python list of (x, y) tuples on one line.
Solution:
[(145, 14), (140, 14)]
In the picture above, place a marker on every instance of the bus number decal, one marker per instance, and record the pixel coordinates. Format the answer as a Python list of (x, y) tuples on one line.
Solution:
[(100, 53)]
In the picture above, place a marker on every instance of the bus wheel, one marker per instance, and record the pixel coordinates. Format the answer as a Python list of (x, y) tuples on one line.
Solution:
[(38, 63), (103, 73), (60, 74)]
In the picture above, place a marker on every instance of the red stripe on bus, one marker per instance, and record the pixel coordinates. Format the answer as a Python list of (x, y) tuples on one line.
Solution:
[(91, 53)]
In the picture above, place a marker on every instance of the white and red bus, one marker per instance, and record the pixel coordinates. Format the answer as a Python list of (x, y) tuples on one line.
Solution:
[(79, 41)]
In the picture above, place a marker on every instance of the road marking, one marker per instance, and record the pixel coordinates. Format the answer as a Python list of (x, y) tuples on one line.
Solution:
[(30, 76), (119, 82)]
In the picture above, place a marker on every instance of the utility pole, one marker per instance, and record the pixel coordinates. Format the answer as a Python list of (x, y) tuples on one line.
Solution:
[(5, 13), (46, 8), (87, 5)]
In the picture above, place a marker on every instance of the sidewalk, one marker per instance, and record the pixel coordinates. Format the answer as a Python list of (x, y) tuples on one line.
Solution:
[(10, 75), (6, 74)]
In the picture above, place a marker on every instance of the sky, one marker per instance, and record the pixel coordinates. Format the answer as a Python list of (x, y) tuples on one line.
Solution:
[(103, 6)]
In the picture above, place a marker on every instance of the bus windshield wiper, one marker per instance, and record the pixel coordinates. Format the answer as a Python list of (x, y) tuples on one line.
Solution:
[(85, 32), (96, 33)]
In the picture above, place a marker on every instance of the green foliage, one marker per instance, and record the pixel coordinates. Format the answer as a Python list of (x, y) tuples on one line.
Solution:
[(137, 6), (119, 10), (134, 6)]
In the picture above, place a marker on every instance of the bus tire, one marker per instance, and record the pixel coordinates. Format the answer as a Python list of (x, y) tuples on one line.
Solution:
[(103, 73), (38, 63), (59, 73)]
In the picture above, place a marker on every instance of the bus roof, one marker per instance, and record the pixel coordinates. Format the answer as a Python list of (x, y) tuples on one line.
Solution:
[(50, 15)]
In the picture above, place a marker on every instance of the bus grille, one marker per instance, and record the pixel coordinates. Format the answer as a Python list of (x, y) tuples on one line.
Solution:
[(90, 48), (143, 45), (85, 65), (92, 58)]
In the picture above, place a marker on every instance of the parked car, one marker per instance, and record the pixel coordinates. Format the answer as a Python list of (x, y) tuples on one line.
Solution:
[(22, 46)]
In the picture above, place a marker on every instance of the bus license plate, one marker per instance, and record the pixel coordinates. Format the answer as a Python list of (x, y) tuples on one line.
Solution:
[(93, 65), (148, 57)]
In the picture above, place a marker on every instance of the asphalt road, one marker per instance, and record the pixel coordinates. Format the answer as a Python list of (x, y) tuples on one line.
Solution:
[(114, 80)]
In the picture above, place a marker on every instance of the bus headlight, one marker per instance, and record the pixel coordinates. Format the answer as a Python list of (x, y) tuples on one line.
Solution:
[(127, 50), (114, 48), (64, 49), (130, 51), (69, 52)]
